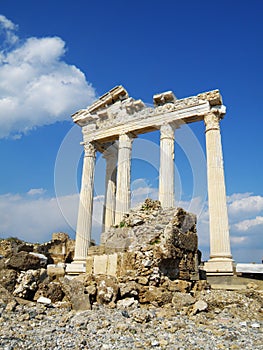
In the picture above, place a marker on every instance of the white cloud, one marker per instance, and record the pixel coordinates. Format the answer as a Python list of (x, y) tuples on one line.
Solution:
[(244, 205), (35, 219), (36, 191), (246, 225), (8, 29), (37, 87)]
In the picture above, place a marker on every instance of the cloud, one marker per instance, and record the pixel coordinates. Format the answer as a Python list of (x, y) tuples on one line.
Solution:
[(37, 87), (244, 205), (34, 219), (246, 225), (36, 191)]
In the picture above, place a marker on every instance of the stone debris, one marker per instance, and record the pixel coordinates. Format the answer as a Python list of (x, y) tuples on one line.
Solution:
[(238, 324)]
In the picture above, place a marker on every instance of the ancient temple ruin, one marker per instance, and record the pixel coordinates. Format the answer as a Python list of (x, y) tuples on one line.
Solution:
[(109, 126)]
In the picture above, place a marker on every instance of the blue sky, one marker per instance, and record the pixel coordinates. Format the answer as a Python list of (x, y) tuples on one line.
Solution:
[(57, 56)]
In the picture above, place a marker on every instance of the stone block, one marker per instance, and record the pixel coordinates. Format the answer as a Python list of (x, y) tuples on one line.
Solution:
[(75, 268), (100, 264), (56, 270), (112, 265)]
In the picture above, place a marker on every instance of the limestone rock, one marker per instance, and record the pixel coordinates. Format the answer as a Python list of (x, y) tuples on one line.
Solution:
[(107, 289), (8, 279), (27, 283), (199, 306), (24, 261), (127, 303), (51, 290), (5, 296), (180, 300), (43, 300), (75, 293), (141, 315)]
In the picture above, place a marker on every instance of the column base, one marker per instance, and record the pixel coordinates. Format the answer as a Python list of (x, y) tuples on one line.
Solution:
[(76, 268), (219, 267)]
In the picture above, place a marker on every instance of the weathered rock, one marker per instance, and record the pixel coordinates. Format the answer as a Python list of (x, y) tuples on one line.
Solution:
[(199, 306), (128, 289), (127, 303), (44, 300), (180, 300), (163, 244), (24, 261), (8, 279), (51, 290), (27, 283), (75, 293), (141, 315), (107, 289), (5, 296), (156, 296)]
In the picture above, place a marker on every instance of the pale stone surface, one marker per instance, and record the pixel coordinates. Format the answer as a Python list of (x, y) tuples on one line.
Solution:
[(75, 268), (123, 194), (56, 270), (111, 156), (166, 174), (83, 232), (220, 254), (100, 264), (112, 262)]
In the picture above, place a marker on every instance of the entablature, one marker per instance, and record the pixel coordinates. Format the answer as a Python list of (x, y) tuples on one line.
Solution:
[(115, 113)]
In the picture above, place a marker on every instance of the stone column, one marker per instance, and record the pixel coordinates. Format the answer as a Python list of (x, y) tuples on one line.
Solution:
[(166, 173), (111, 156), (123, 193), (220, 262), (83, 232)]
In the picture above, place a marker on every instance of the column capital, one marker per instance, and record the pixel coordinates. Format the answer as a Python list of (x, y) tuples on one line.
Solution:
[(125, 140), (167, 130), (89, 149), (213, 117)]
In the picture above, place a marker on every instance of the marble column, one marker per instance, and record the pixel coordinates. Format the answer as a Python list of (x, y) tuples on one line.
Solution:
[(123, 192), (83, 232), (166, 173), (220, 262), (111, 156)]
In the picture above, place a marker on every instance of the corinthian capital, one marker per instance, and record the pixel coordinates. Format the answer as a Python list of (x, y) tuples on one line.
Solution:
[(167, 130), (89, 149)]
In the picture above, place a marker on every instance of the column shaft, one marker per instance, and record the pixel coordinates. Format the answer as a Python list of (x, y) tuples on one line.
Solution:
[(123, 193), (220, 254), (111, 156), (84, 223), (166, 173)]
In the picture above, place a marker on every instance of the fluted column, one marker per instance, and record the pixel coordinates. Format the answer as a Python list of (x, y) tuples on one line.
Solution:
[(123, 192), (111, 156), (166, 173), (220, 255), (83, 233)]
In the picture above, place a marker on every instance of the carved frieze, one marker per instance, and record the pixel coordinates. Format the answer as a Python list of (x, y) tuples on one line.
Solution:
[(213, 97)]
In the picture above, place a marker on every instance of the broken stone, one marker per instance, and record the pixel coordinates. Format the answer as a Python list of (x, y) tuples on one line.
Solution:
[(127, 303), (75, 293), (43, 300)]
